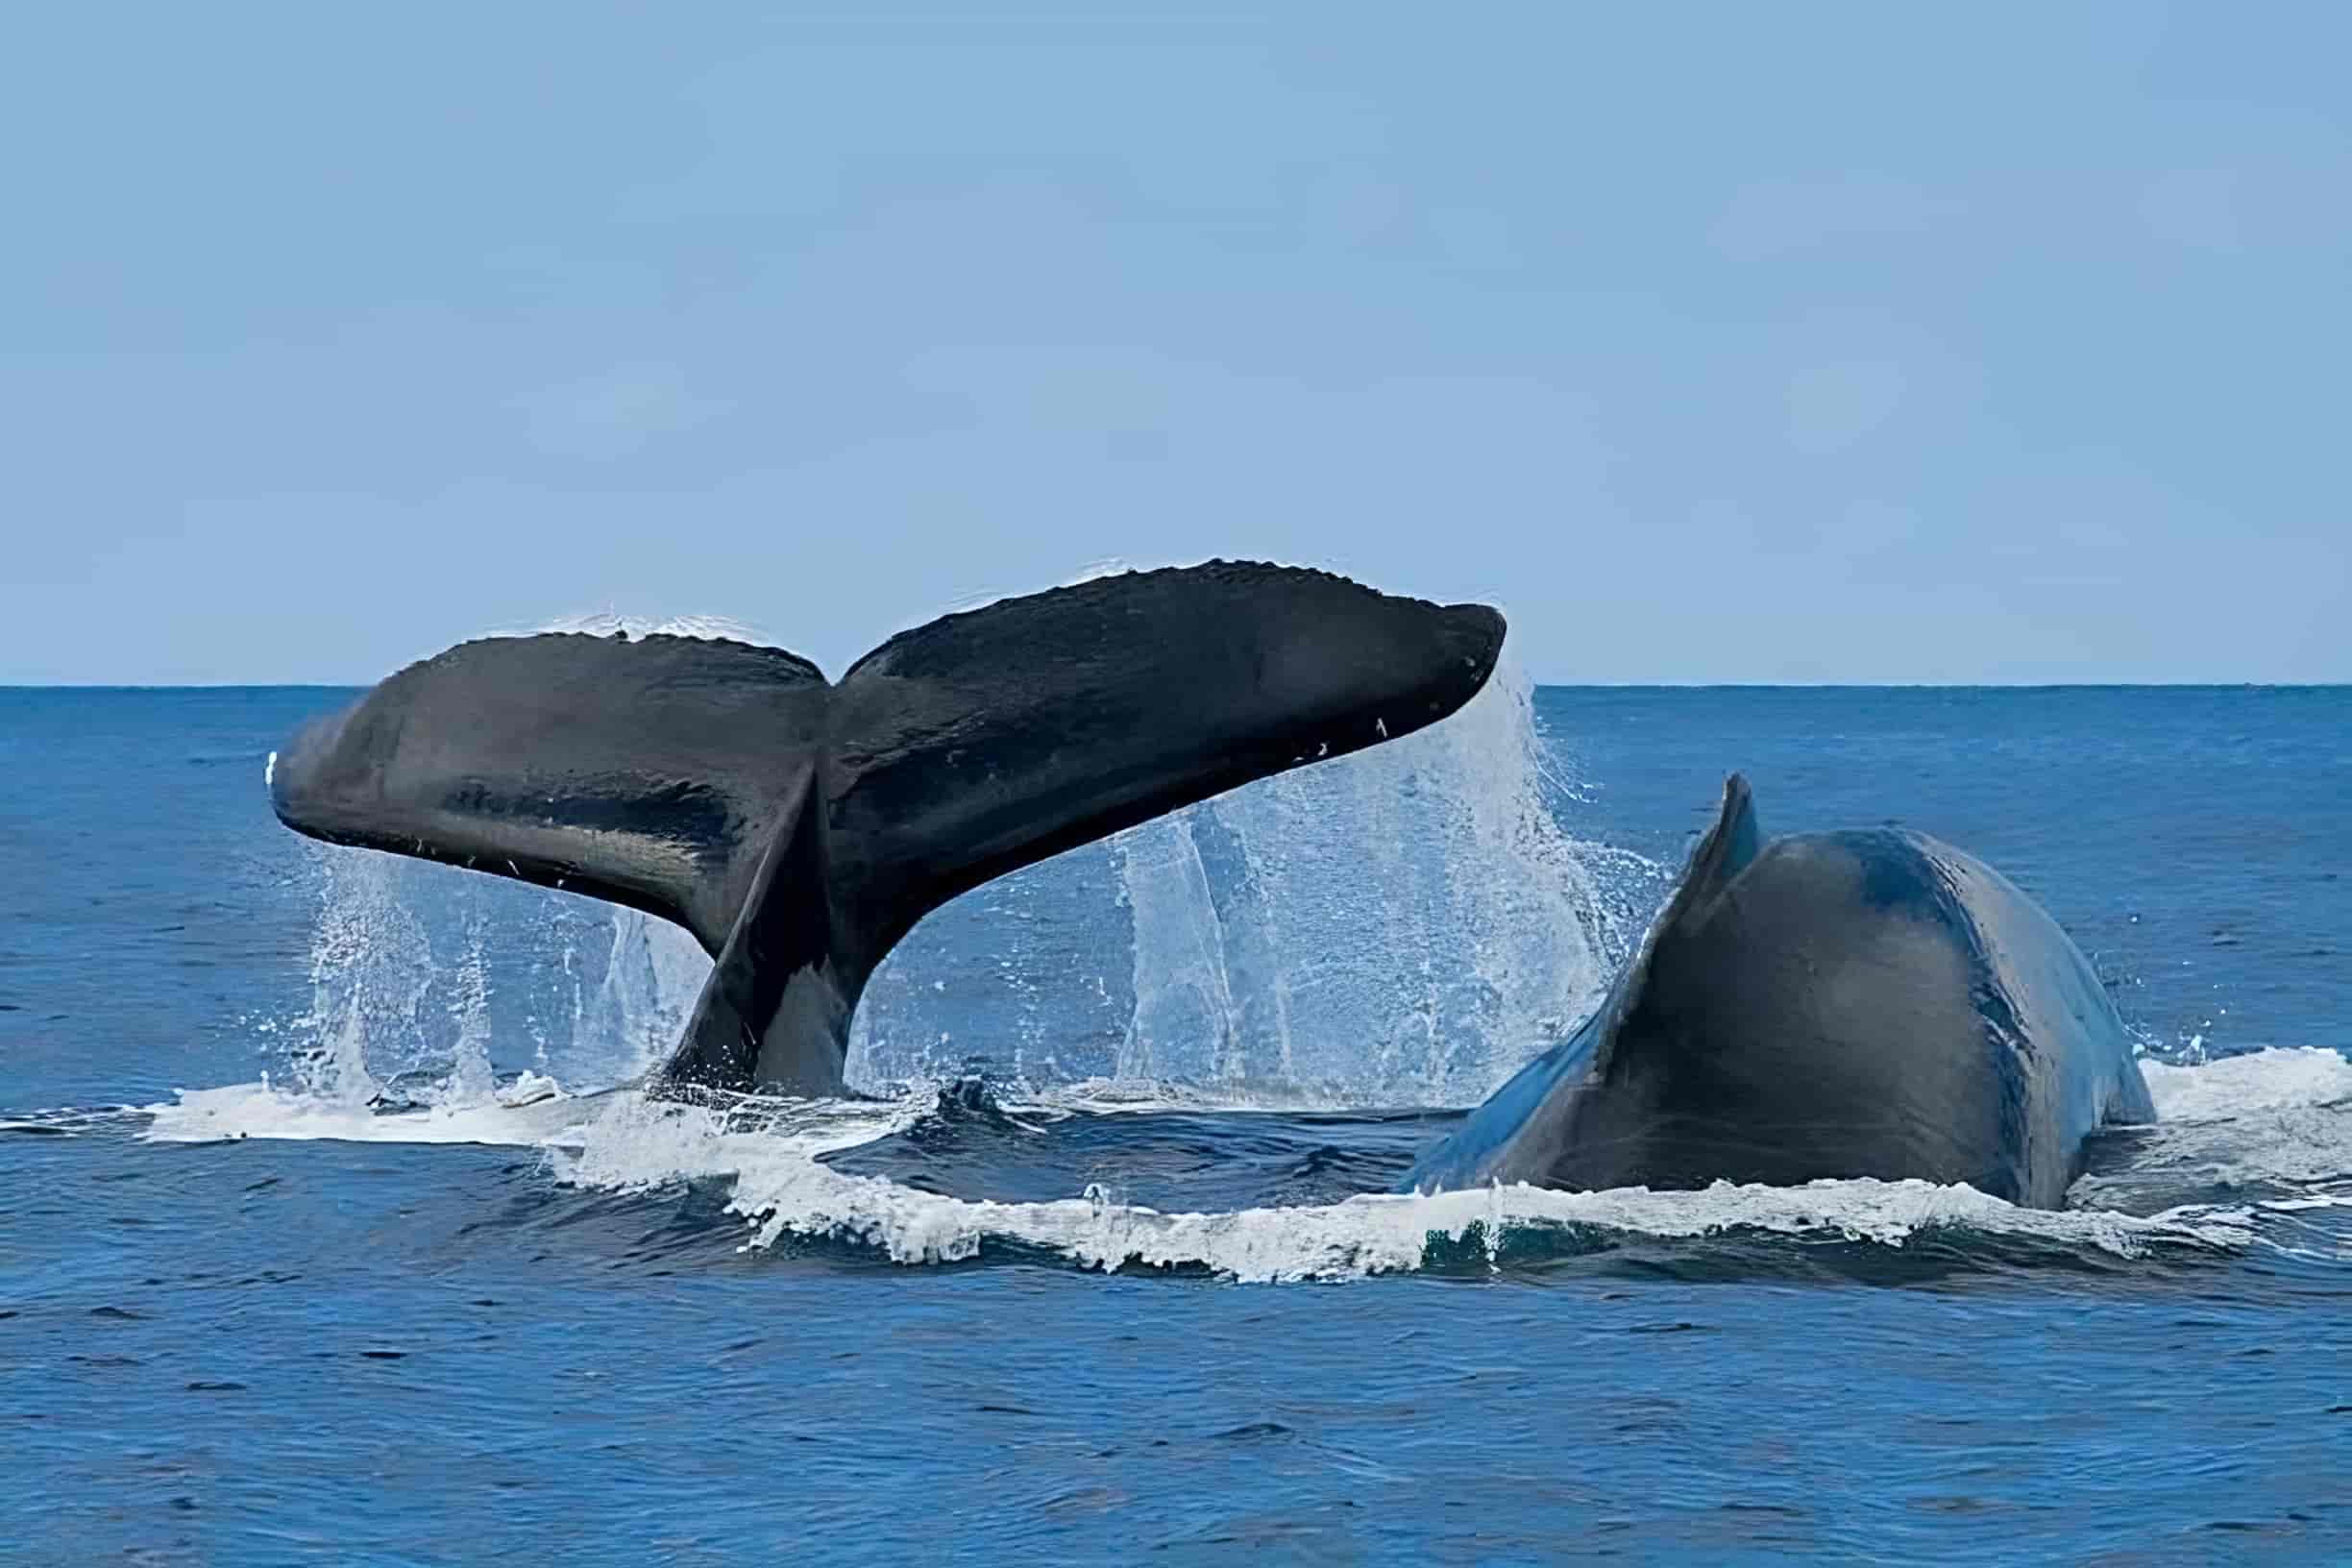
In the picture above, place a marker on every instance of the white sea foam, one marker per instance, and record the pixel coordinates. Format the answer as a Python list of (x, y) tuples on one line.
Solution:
[(1386, 1233), (621, 1141), (2274, 1078), (2274, 1123), (530, 1110)]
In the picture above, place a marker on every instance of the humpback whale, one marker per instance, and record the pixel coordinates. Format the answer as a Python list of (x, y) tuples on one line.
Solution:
[(800, 827), (1849, 1004)]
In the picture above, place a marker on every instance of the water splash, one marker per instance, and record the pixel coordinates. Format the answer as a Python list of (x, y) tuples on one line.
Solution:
[(431, 985), (1418, 926), (1405, 926), (469, 1077), (652, 973), (1183, 992), (370, 972)]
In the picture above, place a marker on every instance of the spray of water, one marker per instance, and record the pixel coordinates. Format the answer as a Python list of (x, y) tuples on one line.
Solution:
[(652, 973), (368, 976), (469, 1077), (430, 986), (1405, 926), (1410, 928)]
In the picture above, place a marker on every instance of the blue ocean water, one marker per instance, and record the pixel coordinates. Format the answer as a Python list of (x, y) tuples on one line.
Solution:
[(331, 1229)]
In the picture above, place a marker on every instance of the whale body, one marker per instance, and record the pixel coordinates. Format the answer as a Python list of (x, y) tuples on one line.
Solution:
[(800, 827), (1851, 1004)]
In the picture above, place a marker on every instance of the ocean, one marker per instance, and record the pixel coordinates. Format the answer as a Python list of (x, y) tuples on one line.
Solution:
[(335, 1229)]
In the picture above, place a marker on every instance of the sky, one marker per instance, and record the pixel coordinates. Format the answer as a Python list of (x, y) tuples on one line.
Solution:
[(1820, 343)]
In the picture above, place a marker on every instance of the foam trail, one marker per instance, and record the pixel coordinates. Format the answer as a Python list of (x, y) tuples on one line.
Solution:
[(784, 1190), (621, 1141)]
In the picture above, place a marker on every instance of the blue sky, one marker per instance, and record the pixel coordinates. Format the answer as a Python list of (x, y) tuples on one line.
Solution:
[(1725, 343)]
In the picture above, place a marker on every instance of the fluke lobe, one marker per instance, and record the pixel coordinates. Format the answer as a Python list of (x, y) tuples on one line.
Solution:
[(1871, 1003), (800, 828)]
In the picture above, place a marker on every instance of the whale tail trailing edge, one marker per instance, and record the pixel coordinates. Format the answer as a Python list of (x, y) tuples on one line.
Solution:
[(650, 772), (800, 828)]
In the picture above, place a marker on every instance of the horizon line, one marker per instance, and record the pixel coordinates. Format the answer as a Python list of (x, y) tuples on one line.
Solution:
[(1567, 685)]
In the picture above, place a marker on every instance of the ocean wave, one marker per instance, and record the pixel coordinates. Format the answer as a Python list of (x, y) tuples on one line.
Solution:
[(772, 1154), (64, 1122), (784, 1190)]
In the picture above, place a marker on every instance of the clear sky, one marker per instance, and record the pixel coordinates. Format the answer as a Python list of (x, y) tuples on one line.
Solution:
[(1713, 342)]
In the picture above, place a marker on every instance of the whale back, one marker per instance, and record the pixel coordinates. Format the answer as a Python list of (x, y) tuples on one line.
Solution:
[(1865, 1003)]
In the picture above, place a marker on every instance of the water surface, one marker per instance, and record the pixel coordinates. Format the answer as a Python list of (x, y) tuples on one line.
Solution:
[(332, 1230)]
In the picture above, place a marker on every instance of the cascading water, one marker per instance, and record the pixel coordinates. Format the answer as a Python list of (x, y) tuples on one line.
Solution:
[(470, 1076), (653, 971), (370, 971), (1405, 929), (1405, 926), (429, 985), (1183, 992)]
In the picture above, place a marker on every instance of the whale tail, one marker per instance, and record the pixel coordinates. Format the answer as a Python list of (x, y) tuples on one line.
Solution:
[(800, 828)]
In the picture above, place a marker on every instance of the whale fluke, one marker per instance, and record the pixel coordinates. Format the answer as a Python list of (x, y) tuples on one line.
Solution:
[(800, 828)]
